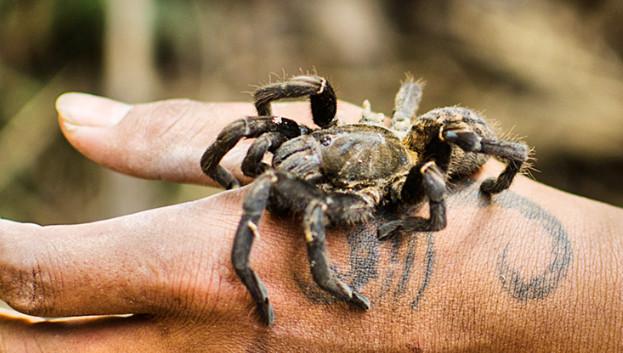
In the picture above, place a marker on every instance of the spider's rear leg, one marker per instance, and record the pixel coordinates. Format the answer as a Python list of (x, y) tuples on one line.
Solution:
[(406, 104), (432, 181), (469, 140), (227, 139), (320, 92), (254, 204), (370, 117)]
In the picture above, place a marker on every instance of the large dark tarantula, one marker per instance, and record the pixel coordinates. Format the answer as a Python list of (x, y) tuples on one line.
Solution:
[(342, 174)]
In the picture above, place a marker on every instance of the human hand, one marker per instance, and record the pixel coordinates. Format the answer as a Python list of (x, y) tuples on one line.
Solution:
[(500, 277)]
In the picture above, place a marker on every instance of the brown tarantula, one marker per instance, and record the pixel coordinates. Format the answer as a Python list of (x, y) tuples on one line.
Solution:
[(342, 174)]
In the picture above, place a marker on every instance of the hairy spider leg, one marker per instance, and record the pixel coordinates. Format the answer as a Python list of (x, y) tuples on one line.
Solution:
[(294, 195), (516, 154), (320, 92), (280, 191), (431, 179), (248, 128), (254, 204), (252, 164), (370, 117), (469, 131), (406, 104)]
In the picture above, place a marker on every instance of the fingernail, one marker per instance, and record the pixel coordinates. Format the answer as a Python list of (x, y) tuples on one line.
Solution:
[(81, 109)]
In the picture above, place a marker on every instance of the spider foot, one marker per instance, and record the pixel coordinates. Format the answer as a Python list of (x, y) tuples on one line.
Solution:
[(360, 301), (345, 292), (265, 311), (260, 294), (492, 186), (410, 224), (504, 180), (389, 230)]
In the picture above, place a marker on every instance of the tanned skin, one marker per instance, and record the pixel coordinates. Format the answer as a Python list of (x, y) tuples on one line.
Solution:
[(532, 269)]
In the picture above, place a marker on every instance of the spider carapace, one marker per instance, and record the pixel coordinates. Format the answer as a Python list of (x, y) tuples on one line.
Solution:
[(342, 174)]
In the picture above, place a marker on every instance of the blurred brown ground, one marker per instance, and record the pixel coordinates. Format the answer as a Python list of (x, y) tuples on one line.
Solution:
[(551, 71)]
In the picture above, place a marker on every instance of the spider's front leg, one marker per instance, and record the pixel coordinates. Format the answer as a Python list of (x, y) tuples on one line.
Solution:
[(314, 226), (471, 133), (466, 134), (319, 209), (252, 164), (429, 179), (255, 202), (278, 190), (320, 92), (243, 128)]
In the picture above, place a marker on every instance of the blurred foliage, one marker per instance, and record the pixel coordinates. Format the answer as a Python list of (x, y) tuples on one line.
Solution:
[(553, 70)]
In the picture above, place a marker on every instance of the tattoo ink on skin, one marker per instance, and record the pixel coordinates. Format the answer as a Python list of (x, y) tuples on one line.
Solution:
[(394, 260), (365, 251), (408, 264), (519, 285), (541, 285), (428, 270), (363, 258), (363, 266)]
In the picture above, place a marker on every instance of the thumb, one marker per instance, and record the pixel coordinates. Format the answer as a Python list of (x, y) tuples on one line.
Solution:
[(166, 139), (162, 140)]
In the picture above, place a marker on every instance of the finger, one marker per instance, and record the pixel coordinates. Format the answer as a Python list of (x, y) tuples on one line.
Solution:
[(149, 262), (162, 140), (114, 334)]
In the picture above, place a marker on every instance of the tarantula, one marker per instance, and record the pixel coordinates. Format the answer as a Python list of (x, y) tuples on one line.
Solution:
[(342, 174)]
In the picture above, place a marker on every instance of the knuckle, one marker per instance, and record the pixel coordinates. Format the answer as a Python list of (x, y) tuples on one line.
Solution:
[(25, 287), (25, 283), (172, 109), (157, 122), (199, 287), (151, 129)]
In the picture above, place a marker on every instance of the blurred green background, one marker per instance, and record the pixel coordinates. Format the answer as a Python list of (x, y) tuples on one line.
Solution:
[(551, 71)]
